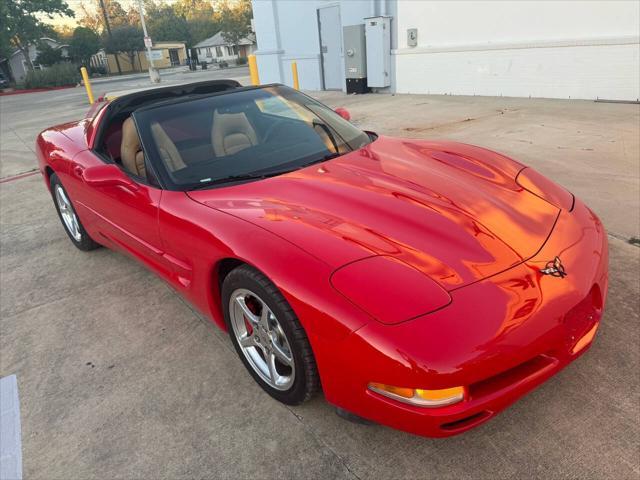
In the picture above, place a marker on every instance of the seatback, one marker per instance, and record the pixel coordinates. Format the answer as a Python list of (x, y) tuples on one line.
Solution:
[(131, 153), (231, 133)]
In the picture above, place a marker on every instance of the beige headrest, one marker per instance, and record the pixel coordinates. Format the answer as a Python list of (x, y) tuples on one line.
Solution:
[(166, 148), (231, 132)]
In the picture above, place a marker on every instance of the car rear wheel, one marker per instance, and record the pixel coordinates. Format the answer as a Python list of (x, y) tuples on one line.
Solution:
[(268, 336), (69, 218)]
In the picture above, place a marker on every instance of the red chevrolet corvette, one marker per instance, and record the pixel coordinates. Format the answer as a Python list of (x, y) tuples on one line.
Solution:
[(423, 285)]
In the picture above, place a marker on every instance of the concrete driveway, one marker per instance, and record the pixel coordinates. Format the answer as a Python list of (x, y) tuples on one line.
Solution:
[(119, 378)]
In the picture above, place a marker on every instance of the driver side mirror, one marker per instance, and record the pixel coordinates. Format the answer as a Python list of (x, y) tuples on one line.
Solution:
[(108, 175), (343, 112)]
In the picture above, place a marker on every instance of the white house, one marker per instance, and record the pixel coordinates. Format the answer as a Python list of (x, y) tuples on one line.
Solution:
[(217, 49), (18, 63), (558, 49)]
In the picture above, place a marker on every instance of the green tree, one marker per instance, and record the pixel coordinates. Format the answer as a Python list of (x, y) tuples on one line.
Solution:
[(194, 9), (48, 55), (22, 24), (126, 39), (93, 18), (235, 20), (164, 25), (84, 43)]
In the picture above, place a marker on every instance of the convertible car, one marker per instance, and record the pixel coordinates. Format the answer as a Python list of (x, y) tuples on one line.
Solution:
[(425, 285)]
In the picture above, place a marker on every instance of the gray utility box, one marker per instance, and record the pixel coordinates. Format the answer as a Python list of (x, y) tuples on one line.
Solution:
[(355, 58), (378, 35)]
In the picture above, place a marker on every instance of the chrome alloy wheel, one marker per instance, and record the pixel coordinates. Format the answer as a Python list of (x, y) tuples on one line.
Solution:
[(261, 339), (68, 215)]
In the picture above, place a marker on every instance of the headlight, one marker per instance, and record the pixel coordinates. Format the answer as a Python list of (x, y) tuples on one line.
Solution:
[(418, 396), (544, 188), (388, 289)]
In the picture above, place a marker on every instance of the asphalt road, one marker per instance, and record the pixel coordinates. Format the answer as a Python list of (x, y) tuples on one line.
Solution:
[(120, 378)]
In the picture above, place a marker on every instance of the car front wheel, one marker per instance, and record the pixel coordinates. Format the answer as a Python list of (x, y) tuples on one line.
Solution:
[(268, 336), (68, 216)]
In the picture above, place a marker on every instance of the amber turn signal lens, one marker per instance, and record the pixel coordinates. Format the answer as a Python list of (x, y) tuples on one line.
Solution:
[(585, 340), (418, 396)]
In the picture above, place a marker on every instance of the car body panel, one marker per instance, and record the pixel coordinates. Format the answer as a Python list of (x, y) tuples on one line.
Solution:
[(450, 210), (453, 213)]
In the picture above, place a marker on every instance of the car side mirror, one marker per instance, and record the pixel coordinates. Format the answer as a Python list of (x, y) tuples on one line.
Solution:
[(107, 175), (343, 112)]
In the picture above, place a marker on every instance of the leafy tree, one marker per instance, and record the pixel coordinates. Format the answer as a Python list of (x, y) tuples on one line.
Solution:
[(125, 39), (164, 25), (22, 24), (235, 20), (195, 10), (201, 29), (48, 55), (84, 43), (93, 18)]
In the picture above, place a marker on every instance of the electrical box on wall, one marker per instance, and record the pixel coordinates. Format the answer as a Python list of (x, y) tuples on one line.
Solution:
[(378, 44), (355, 59)]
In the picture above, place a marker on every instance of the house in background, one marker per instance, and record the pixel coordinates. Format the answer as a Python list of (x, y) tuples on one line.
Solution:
[(18, 63), (216, 49), (164, 55)]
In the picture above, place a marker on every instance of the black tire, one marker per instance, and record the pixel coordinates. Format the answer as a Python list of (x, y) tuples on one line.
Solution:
[(85, 243), (307, 380)]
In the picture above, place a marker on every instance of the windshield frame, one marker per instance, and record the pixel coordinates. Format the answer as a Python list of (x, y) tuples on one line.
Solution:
[(142, 117)]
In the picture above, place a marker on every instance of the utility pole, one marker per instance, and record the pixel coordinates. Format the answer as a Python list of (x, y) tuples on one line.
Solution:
[(153, 73), (106, 24)]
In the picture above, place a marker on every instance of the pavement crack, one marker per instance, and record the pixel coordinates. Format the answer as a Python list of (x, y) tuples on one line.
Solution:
[(635, 241), (324, 444), (21, 139)]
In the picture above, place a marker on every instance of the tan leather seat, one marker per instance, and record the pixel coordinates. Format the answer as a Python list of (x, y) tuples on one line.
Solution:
[(166, 148), (231, 133), (130, 150)]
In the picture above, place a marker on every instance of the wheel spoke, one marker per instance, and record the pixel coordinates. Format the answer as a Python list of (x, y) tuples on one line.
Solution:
[(281, 355), (264, 317), (271, 363), (247, 341), (249, 315)]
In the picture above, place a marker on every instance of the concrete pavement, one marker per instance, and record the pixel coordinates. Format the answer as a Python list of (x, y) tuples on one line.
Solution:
[(120, 378)]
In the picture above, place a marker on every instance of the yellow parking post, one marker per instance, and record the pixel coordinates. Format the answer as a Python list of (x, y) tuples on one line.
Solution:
[(253, 70), (294, 71), (87, 84)]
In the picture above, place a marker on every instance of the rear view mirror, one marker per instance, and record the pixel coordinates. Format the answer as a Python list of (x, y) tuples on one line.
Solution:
[(343, 112), (107, 175)]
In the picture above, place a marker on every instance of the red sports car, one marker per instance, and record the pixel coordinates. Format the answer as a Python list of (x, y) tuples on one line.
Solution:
[(423, 285)]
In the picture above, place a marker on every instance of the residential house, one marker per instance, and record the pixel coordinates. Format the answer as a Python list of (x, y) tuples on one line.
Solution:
[(216, 49), (18, 63)]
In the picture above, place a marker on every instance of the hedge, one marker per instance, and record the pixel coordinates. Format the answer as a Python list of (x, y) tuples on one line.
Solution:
[(57, 75)]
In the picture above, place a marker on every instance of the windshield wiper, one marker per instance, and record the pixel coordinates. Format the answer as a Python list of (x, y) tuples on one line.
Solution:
[(327, 130)]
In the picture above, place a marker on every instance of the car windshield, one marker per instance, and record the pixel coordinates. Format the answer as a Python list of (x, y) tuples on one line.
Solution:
[(244, 135)]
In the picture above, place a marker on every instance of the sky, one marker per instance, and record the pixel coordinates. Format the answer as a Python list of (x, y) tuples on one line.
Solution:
[(75, 6)]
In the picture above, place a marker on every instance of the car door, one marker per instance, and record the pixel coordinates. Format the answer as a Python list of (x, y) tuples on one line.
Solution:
[(126, 216)]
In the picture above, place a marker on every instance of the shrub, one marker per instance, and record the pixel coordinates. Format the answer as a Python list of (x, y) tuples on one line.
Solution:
[(241, 61), (57, 75)]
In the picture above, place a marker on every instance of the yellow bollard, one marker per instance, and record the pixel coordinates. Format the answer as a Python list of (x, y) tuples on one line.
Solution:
[(294, 71), (87, 84), (253, 70)]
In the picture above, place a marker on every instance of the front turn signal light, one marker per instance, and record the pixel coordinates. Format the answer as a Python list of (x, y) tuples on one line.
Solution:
[(585, 340), (418, 396)]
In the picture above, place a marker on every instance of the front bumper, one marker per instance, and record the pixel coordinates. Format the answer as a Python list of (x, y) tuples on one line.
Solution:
[(500, 337)]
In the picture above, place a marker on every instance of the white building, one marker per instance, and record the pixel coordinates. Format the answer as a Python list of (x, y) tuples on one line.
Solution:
[(217, 49), (554, 49)]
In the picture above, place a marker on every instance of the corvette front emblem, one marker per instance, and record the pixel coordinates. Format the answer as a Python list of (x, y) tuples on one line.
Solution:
[(554, 268)]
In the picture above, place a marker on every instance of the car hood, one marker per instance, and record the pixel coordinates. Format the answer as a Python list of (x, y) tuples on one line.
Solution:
[(452, 211)]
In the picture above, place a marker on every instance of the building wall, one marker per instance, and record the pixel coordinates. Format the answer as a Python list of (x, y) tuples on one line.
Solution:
[(287, 31), (560, 49), (140, 63)]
